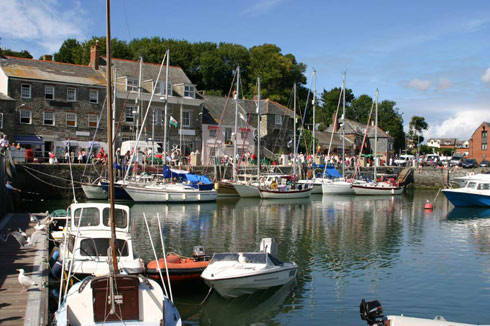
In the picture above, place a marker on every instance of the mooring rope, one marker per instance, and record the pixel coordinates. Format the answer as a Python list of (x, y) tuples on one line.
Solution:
[(50, 184)]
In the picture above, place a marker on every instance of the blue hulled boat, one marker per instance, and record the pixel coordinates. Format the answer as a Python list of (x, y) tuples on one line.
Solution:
[(475, 193)]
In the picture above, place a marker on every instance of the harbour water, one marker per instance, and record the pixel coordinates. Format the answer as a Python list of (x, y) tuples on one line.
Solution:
[(415, 262)]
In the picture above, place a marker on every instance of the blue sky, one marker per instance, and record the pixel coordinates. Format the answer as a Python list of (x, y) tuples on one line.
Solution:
[(431, 57)]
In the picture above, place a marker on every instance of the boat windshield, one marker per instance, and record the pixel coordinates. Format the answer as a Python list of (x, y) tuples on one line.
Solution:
[(484, 186), (97, 247), (249, 258), (471, 185), (120, 217), (90, 216), (275, 261)]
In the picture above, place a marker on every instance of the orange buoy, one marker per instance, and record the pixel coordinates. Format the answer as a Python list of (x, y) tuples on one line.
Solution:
[(428, 206)]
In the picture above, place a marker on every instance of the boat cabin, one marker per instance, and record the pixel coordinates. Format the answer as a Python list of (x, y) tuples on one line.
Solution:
[(246, 258), (477, 185), (96, 216)]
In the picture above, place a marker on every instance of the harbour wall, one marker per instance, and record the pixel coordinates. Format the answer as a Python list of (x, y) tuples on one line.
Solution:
[(52, 181)]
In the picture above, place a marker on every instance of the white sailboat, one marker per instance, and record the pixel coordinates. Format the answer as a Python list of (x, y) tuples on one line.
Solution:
[(377, 188), (114, 298)]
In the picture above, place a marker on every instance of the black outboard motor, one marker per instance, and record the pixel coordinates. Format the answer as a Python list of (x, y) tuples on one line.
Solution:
[(372, 312)]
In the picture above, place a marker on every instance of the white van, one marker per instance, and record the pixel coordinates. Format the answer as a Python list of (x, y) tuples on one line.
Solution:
[(404, 159), (142, 146)]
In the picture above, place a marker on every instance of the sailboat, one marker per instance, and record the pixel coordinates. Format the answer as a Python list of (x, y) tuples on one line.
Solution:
[(378, 188), (114, 298)]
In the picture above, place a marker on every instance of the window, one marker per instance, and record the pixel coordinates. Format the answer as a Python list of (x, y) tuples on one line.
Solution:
[(25, 117), (1, 120), (212, 133), (278, 119), (94, 96), (48, 118), (71, 94), (186, 119), (25, 91), (189, 91), (160, 89), (154, 117), (49, 92), (128, 113), (92, 120), (484, 146), (227, 135), (71, 119), (132, 84)]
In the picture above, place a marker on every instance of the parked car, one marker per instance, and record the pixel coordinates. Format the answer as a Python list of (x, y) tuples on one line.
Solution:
[(404, 160), (432, 159), (485, 163), (469, 163), (457, 159)]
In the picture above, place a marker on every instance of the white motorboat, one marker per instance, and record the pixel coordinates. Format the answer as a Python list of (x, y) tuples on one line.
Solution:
[(94, 191), (475, 193), (378, 188), (240, 273), (461, 181), (169, 192), (372, 313)]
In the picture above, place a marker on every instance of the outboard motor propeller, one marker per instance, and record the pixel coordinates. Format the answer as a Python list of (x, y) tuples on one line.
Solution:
[(372, 312)]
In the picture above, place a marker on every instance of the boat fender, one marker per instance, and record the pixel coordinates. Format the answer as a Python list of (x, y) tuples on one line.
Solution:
[(55, 253), (56, 269)]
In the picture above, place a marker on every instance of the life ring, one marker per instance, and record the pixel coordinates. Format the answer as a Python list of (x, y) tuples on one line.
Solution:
[(274, 186)]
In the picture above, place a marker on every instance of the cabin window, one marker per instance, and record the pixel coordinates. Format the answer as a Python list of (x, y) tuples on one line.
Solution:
[(48, 118), (94, 96), (49, 92), (71, 94), (120, 218), (97, 247), (471, 185), (484, 186), (25, 91), (89, 216)]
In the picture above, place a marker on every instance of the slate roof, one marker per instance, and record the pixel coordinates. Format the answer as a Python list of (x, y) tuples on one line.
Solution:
[(51, 71), (149, 71), (324, 139), (354, 127), (215, 105), (444, 141), (4, 97)]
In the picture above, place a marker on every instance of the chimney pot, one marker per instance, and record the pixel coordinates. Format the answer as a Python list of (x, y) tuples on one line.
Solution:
[(47, 57), (94, 55)]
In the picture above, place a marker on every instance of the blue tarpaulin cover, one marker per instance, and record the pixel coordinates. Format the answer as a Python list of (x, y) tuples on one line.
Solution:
[(332, 172)]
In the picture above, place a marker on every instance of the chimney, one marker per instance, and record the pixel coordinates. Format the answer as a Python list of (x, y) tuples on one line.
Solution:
[(94, 55), (47, 57)]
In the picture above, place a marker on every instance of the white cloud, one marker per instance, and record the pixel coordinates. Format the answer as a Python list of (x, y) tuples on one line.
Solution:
[(421, 85), (444, 83), (460, 125), (44, 22), (486, 76), (261, 6)]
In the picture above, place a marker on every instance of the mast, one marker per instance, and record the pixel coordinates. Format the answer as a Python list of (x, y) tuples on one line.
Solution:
[(343, 128), (314, 103), (376, 137), (165, 121), (236, 125), (258, 128), (294, 134), (109, 139), (113, 135)]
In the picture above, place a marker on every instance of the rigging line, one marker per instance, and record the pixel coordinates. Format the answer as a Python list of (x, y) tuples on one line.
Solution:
[(126, 17), (304, 116), (333, 124), (93, 138), (49, 175), (50, 184)]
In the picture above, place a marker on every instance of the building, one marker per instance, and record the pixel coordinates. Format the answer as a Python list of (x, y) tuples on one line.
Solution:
[(218, 125), (462, 146), (478, 143), (439, 143), (132, 100), (56, 105)]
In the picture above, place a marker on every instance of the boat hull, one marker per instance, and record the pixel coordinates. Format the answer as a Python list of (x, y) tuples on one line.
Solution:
[(235, 287), (290, 194), (372, 190), (94, 192), (155, 195), (461, 198), (410, 321), (226, 189), (119, 191), (317, 186), (338, 188), (246, 191)]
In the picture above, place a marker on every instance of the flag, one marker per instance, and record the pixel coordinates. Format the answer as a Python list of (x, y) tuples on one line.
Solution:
[(173, 122)]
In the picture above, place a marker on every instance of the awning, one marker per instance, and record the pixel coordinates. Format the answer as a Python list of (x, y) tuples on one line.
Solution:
[(30, 140), (71, 143), (94, 144)]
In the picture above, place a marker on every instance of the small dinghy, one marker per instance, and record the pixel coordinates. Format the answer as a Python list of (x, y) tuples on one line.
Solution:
[(236, 274), (180, 268)]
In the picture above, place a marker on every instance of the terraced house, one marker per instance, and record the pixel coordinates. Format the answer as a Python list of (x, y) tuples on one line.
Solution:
[(49, 105)]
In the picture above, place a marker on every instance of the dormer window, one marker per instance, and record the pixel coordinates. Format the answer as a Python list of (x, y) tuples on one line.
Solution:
[(160, 89), (189, 91), (132, 84)]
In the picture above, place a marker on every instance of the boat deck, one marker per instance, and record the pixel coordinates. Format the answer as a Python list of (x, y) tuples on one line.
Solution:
[(16, 307)]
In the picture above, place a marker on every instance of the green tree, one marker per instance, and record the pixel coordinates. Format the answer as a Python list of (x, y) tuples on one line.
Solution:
[(391, 121), (71, 51), (359, 108), (20, 54), (416, 126), (330, 101)]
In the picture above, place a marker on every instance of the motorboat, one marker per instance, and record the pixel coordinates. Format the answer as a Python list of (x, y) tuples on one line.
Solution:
[(372, 313), (88, 235), (315, 183), (180, 268), (249, 187), (475, 193), (234, 274), (470, 176), (378, 188)]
